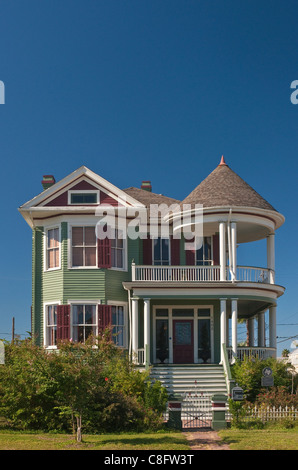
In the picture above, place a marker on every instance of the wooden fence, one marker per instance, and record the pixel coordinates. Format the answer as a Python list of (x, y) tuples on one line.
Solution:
[(273, 413)]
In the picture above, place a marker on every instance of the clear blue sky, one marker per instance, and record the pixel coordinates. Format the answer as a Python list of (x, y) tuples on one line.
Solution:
[(156, 90)]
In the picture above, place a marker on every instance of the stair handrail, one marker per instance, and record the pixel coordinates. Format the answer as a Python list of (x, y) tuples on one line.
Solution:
[(230, 382)]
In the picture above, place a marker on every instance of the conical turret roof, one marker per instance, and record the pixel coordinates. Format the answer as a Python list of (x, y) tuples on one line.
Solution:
[(222, 188)]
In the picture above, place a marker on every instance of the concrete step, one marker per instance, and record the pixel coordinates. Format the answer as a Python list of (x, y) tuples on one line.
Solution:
[(187, 378)]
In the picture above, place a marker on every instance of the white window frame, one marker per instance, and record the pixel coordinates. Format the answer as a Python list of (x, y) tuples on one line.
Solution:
[(84, 191), (47, 229), (82, 224), (125, 308), (124, 254), (83, 302), (45, 323)]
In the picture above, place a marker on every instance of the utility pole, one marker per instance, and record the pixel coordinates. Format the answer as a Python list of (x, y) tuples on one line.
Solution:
[(12, 331)]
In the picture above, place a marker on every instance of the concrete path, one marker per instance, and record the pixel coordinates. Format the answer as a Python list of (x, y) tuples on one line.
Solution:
[(205, 440)]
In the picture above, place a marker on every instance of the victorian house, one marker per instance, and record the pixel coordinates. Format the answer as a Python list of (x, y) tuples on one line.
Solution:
[(170, 300)]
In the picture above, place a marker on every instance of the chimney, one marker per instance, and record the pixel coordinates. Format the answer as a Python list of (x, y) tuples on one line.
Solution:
[(48, 181), (146, 185)]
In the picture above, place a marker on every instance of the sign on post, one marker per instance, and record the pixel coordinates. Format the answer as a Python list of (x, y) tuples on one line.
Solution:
[(237, 394), (267, 379)]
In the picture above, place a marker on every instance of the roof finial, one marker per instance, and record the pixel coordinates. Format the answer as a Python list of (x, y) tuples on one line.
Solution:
[(222, 161)]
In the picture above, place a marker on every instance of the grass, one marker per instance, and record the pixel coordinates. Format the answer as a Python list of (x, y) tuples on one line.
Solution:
[(271, 438), (13, 440)]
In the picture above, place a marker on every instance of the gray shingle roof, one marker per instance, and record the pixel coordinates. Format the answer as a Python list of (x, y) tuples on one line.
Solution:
[(147, 197), (223, 187)]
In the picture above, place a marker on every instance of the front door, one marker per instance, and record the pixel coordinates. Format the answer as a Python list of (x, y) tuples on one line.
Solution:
[(183, 342)]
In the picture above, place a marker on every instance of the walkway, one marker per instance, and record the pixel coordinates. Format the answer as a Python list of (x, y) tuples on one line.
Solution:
[(205, 440)]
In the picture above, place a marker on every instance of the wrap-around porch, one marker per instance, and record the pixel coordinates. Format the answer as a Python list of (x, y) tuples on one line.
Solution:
[(192, 331)]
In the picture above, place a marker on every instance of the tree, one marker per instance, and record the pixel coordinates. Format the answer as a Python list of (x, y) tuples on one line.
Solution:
[(92, 385), (248, 374)]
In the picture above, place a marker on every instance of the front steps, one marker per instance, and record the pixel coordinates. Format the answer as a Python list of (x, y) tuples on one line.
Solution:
[(191, 378)]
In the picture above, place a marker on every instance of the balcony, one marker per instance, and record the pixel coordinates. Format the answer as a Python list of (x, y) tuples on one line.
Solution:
[(200, 274)]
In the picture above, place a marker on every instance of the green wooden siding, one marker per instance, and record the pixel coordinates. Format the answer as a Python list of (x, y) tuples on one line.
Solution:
[(37, 285)]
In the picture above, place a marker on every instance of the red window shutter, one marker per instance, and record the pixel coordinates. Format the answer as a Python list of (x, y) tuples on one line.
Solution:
[(63, 322), (175, 251), (216, 249), (190, 256), (104, 317), (147, 251), (104, 253)]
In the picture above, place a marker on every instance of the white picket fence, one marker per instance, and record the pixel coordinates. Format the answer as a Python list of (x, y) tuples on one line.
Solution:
[(271, 413)]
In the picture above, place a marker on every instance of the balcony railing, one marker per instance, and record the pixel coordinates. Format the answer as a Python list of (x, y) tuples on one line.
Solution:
[(252, 352), (198, 274)]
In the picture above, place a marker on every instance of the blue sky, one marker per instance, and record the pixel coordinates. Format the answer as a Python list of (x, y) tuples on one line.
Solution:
[(154, 90)]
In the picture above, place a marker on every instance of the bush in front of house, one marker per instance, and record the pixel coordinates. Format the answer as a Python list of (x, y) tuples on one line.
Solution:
[(88, 386)]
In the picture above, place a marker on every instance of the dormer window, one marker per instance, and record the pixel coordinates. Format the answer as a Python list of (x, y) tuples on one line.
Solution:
[(87, 197)]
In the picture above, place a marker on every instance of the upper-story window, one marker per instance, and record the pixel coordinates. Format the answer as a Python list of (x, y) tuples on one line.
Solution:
[(161, 251), (117, 250), (83, 197), (203, 254), (52, 248), (84, 247)]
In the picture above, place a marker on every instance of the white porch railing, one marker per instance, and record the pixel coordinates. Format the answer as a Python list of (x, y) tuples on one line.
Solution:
[(257, 352), (252, 274), (197, 274)]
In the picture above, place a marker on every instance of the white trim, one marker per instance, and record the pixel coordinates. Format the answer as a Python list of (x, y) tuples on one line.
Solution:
[(70, 192), (193, 317), (45, 305), (108, 188), (82, 302)]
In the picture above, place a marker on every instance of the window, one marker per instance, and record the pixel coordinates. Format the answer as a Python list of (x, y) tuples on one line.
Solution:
[(83, 197), (117, 250), (84, 247), (161, 252), (118, 325), (51, 325), (83, 322), (52, 248), (203, 254)]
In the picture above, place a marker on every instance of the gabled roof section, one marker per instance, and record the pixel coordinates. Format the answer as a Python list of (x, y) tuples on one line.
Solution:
[(222, 188), (74, 181)]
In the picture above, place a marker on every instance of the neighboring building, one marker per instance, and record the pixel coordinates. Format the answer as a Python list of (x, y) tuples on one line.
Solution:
[(166, 303), (293, 359)]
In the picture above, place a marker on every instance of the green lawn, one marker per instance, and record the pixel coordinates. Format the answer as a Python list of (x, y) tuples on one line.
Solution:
[(265, 439), (13, 440)]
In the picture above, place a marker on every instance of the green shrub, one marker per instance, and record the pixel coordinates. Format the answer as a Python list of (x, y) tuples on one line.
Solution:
[(80, 385)]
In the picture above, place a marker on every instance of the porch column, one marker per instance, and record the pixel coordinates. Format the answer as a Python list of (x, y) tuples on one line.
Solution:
[(222, 250), (234, 327), (272, 326), (223, 325), (147, 331), (261, 329), (271, 257), (251, 332), (134, 328), (234, 250)]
